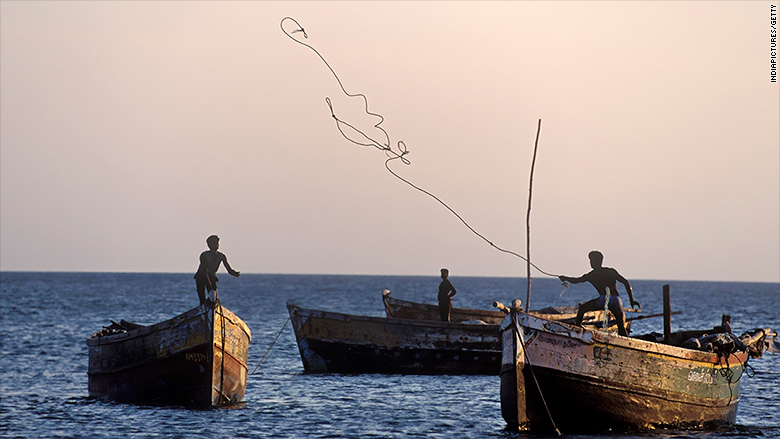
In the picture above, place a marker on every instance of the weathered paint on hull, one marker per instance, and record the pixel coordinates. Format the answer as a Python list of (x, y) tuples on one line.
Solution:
[(595, 381), (346, 358), (176, 362), (162, 382), (341, 343), (229, 364)]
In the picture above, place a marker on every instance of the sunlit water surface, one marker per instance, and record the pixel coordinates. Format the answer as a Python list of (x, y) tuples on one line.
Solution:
[(46, 318)]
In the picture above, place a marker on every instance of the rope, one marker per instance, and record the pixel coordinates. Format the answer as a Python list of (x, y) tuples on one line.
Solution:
[(605, 318), (269, 347), (401, 150), (222, 369), (728, 374), (464, 221), (748, 370), (531, 368)]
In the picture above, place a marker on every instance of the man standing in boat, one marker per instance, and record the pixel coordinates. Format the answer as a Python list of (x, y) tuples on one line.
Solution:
[(206, 276), (446, 291), (605, 280)]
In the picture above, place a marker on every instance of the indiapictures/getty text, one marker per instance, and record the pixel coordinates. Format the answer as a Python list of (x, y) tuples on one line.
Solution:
[(773, 43)]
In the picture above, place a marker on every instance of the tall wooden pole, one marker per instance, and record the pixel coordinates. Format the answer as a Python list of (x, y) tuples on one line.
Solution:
[(528, 221)]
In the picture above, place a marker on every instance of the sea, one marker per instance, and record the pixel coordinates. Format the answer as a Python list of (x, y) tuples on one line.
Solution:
[(45, 319)]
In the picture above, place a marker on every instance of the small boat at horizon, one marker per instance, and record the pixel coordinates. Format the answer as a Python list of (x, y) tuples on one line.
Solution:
[(197, 359)]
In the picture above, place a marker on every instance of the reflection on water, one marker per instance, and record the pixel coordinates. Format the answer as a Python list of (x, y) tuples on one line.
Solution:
[(46, 318)]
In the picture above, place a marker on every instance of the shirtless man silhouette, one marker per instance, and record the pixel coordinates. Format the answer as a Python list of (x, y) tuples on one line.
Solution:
[(446, 291), (603, 278), (206, 276)]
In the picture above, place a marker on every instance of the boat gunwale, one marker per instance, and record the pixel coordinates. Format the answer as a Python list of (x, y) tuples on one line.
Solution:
[(592, 337), (192, 314), (591, 317), (428, 306), (331, 315), (234, 319)]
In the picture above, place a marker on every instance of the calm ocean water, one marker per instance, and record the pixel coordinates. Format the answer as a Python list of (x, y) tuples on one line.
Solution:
[(46, 318)]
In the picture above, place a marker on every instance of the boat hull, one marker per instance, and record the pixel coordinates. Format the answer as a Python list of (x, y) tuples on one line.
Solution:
[(403, 309), (594, 381), (342, 343), (197, 359)]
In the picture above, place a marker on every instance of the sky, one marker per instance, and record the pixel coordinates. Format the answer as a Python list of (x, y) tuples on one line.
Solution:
[(131, 131)]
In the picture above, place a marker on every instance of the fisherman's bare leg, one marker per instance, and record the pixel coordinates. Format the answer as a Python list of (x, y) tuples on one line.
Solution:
[(616, 308), (201, 288), (590, 305)]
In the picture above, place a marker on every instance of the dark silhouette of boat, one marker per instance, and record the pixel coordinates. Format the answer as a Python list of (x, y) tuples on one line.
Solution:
[(344, 343), (197, 359)]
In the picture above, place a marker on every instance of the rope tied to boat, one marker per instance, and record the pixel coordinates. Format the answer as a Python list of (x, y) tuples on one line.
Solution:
[(269, 347), (728, 374), (605, 318), (222, 397), (519, 334)]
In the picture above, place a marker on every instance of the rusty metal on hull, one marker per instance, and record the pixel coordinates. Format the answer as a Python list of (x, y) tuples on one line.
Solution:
[(593, 381), (197, 359), (342, 343)]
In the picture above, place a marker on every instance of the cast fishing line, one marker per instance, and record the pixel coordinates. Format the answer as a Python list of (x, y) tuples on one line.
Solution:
[(400, 151)]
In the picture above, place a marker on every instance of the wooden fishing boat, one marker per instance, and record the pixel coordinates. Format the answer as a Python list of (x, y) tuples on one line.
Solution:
[(556, 375), (343, 343), (404, 309), (197, 359)]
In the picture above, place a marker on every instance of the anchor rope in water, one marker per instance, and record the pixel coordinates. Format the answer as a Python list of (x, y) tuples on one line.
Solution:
[(368, 141), (269, 347)]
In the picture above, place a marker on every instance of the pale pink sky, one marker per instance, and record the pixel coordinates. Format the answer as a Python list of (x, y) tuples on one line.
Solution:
[(130, 131)]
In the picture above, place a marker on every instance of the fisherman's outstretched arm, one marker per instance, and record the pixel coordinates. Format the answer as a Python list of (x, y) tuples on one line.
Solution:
[(574, 280), (230, 269)]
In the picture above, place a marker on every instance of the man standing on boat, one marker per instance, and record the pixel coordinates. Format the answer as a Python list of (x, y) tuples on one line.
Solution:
[(446, 291), (206, 276), (605, 280)]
